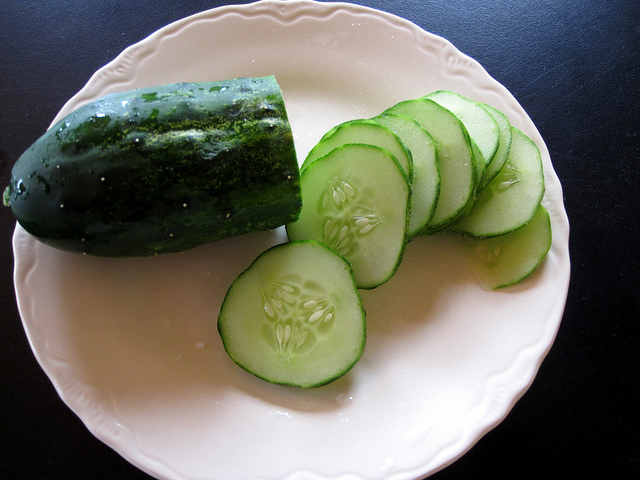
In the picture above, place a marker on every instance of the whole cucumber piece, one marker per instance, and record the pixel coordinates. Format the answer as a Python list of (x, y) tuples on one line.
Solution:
[(161, 169)]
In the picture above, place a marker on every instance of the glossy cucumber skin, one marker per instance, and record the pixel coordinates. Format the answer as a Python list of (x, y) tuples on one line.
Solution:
[(161, 169)]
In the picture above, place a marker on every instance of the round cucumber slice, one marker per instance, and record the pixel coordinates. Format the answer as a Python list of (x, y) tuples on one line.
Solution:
[(509, 259), (481, 126), (356, 200), (457, 164), (426, 175), (295, 316), (512, 197), (362, 131), (503, 148)]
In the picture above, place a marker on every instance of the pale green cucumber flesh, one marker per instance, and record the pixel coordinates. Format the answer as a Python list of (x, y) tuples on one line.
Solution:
[(356, 200), (479, 160), (426, 175), (295, 316), (513, 196), (482, 127), (457, 164), (503, 148), (509, 259), (362, 131)]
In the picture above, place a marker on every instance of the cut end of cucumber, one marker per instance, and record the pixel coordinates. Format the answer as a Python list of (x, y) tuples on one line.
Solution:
[(295, 316)]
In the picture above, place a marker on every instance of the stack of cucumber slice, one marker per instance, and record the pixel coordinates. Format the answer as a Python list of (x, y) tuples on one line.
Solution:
[(370, 186), (450, 163)]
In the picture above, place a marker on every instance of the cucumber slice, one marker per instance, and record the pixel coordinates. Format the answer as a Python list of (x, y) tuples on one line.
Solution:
[(457, 164), (362, 131), (426, 176), (508, 259), (356, 200), (513, 196), (295, 316), (503, 148), (482, 128)]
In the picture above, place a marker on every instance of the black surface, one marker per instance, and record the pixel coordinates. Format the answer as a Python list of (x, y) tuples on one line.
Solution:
[(573, 66)]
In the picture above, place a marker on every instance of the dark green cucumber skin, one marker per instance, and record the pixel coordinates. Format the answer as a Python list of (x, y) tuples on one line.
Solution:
[(161, 169)]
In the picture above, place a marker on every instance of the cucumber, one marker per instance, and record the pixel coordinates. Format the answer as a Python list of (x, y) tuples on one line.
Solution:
[(508, 259), (356, 200), (482, 128), (295, 316), (161, 169), (362, 131), (513, 196), (457, 164), (504, 125), (426, 176)]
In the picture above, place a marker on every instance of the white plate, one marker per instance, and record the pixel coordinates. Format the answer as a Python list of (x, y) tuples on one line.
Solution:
[(131, 344)]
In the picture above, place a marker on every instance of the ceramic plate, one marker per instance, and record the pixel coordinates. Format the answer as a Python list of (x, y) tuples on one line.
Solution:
[(131, 344)]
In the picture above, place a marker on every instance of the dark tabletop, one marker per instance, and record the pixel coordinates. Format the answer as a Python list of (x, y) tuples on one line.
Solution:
[(575, 68)]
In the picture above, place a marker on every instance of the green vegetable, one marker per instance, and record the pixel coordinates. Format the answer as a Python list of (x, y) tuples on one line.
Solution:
[(444, 135), (426, 176), (512, 197), (356, 200), (368, 187), (506, 260), (457, 164), (161, 169), (504, 126), (295, 316), (364, 131), (482, 127), (395, 134)]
